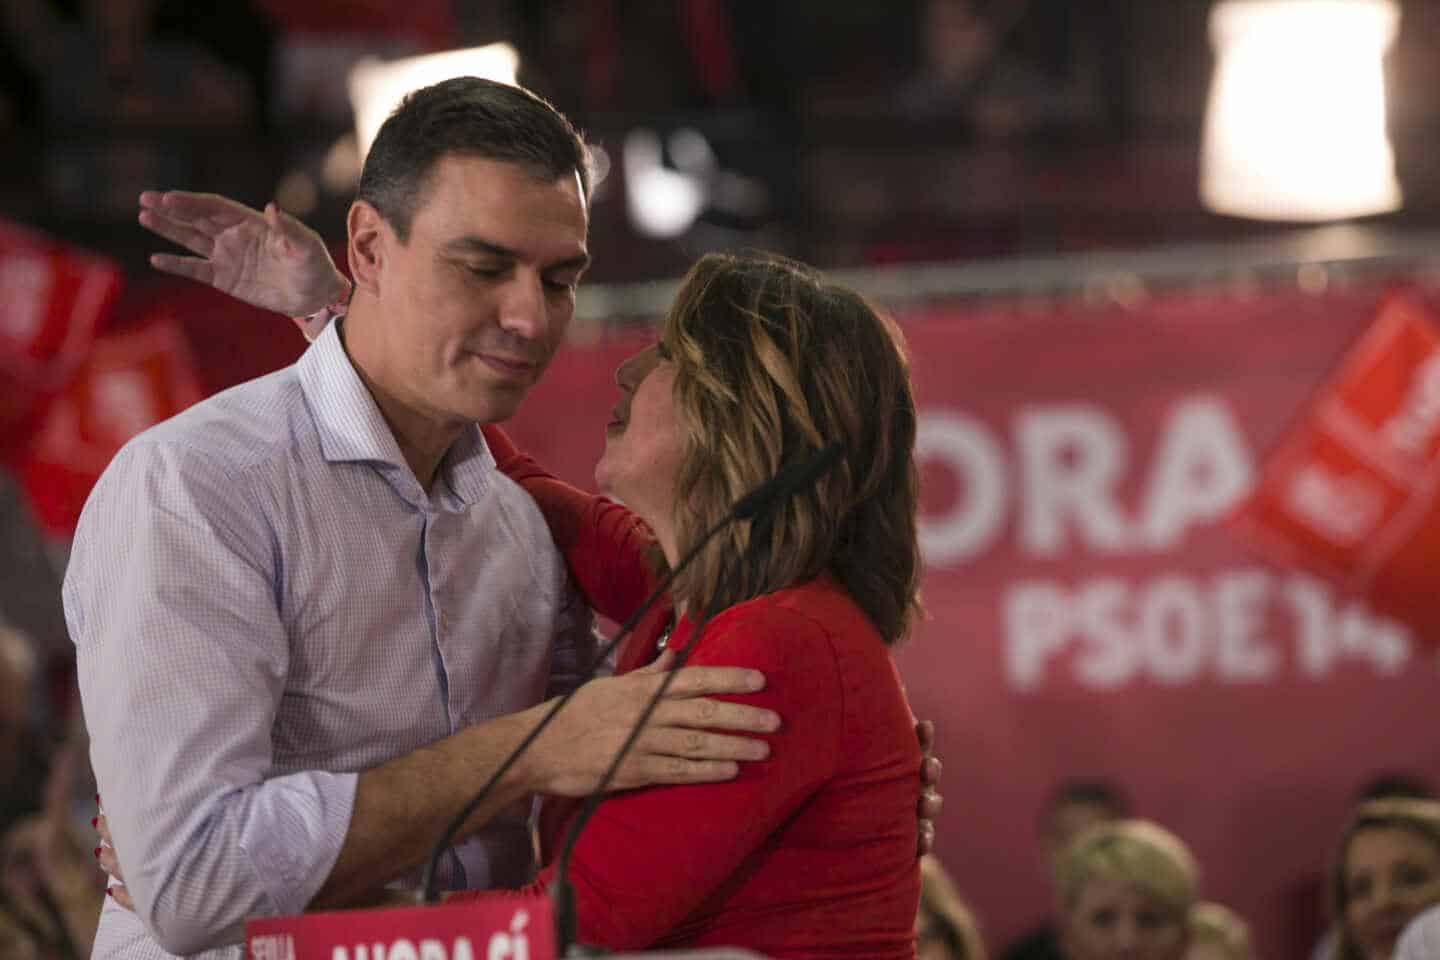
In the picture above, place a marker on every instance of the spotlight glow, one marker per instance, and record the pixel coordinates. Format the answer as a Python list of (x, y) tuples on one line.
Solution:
[(1295, 128), (378, 86)]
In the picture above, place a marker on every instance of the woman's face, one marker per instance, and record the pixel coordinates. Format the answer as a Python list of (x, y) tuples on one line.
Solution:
[(643, 443), (1112, 920), (1391, 874)]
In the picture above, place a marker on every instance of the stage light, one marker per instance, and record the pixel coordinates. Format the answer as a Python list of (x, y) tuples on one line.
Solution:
[(1295, 127), (661, 202), (377, 86)]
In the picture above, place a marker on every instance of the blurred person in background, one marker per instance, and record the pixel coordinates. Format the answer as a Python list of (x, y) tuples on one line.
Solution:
[(22, 757), (1384, 785), (1073, 806), (1218, 933), (1386, 872), (974, 69), (50, 895), (945, 927), (108, 66), (1126, 891)]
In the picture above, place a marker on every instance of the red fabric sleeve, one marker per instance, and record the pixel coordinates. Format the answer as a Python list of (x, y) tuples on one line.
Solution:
[(607, 548), (649, 858)]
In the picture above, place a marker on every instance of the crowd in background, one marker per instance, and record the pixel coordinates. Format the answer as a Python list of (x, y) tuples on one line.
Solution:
[(1129, 889)]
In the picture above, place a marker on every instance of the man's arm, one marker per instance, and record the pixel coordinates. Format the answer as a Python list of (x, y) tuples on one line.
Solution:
[(170, 598), (402, 806)]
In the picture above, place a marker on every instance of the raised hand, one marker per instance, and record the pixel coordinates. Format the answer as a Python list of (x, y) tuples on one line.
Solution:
[(269, 260)]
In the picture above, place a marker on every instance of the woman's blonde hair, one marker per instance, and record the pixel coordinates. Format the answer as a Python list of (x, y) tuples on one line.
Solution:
[(1138, 853), (1420, 817), (773, 364), (1217, 924)]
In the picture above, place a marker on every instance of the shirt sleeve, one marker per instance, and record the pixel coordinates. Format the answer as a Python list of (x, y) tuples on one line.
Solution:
[(610, 551), (649, 858), (171, 600)]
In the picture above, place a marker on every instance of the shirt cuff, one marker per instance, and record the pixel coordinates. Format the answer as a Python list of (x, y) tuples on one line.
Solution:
[(294, 833)]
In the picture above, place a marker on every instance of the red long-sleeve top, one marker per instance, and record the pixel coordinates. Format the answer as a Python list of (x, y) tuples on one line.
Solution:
[(810, 853)]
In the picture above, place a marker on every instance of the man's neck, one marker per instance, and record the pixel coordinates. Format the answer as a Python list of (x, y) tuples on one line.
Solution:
[(423, 440)]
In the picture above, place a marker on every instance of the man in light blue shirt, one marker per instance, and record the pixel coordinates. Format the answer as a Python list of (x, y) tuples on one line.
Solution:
[(310, 615)]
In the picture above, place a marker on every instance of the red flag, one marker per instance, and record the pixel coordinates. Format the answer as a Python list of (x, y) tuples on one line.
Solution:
[(53, 299), (1351, 491), (131, 381)]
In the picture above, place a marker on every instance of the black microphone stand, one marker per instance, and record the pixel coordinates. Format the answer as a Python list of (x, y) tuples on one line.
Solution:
[(561, 890)]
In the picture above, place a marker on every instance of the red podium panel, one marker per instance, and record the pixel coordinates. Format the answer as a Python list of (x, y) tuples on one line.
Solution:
[(502, 927)]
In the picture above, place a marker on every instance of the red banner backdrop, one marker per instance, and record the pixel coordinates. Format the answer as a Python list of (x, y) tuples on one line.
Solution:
[(53, 300), (1091, 613)]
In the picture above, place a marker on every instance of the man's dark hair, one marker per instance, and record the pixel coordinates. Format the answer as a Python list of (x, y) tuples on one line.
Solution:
[(473, 117)]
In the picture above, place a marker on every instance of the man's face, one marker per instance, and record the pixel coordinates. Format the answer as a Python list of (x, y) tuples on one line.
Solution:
[(476, 301)]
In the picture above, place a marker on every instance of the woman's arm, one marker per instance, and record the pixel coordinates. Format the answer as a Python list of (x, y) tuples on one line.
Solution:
[(610, 551)]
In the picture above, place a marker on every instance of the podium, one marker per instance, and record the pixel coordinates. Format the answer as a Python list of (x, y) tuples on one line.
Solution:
[(499, 927)]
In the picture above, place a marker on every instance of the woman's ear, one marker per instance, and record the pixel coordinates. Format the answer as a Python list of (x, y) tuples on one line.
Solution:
[(369, 236)]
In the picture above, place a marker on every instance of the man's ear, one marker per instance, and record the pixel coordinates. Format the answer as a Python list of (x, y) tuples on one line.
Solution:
[(370, 238)]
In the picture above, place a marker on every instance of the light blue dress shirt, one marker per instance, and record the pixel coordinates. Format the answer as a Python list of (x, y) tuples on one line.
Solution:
[(265, 601)]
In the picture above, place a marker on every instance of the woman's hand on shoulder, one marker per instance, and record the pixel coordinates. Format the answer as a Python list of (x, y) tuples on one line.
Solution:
[(270, 260)]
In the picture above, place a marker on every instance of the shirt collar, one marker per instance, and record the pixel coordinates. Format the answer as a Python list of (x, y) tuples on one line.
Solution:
[(352, 429)]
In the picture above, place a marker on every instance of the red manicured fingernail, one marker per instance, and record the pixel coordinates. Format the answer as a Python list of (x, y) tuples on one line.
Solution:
[(109, 892), (97, 852), (94, 821)]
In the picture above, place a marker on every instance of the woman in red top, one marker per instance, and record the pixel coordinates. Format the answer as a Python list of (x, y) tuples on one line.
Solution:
[(811, 852)]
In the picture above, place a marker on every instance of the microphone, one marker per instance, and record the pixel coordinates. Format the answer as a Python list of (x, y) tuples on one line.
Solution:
[(790, 479), (786, 481)]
